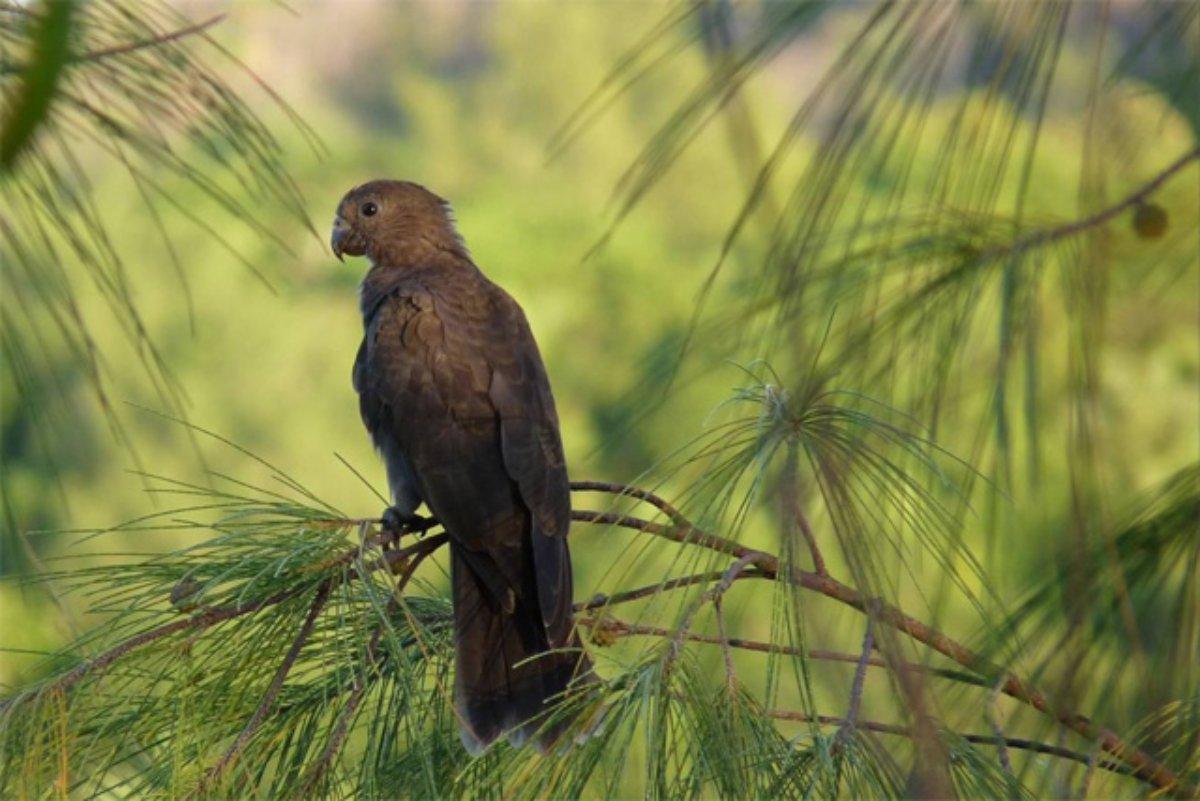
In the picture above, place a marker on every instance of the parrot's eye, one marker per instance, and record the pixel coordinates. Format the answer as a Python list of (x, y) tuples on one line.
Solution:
[(369, 209)]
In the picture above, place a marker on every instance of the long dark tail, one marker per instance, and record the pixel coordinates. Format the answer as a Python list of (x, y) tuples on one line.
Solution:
[(501, 683)]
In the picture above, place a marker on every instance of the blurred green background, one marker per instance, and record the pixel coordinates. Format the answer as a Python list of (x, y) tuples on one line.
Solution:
[(467, 99), (464, 99)]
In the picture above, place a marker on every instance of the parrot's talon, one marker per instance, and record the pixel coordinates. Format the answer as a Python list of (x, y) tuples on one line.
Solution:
[(396, 523)]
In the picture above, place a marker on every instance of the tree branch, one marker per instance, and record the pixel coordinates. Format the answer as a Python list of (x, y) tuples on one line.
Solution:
[(600, 600), (211, 617), (614, 627), (202, 621), (978, 739), (860, 675), (1143, 764), (632, 492), (1047, 235)]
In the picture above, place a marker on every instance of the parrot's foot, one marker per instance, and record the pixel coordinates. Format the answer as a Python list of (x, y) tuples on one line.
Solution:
[(396, 523)]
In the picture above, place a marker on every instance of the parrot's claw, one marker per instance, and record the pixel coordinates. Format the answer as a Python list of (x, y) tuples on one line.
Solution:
[(396, 523)]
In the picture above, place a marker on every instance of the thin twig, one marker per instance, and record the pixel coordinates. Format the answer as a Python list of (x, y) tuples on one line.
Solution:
[(600, 600), (726, 649), (154, 41), (860, 673), (810, 538), (714, 594), (793, 510), (736, 570), (993, 722), (268, 701), (614, 627), (632, 492), (1042, 237), (342, 728), (978, 739), (686, 534)]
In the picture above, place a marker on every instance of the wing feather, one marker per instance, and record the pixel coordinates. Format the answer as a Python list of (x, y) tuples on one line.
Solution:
[(533, 457)]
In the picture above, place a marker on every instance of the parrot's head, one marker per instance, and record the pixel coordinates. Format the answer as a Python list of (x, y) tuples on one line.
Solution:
[(383, 218)]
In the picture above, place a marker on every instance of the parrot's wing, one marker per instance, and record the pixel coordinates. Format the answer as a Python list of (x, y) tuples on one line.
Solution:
[(533, 458)]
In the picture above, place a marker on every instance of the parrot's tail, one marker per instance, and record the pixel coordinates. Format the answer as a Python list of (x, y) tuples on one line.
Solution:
[(507, 675)]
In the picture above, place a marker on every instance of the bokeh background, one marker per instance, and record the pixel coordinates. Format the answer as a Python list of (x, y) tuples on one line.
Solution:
[(465, 98), (471, 99)]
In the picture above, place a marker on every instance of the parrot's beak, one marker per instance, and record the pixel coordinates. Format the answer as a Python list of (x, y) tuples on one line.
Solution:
[(341, 229)]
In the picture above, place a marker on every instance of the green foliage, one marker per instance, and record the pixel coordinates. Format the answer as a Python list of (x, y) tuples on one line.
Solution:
[(284, 653), (111, 84), (971, 384), (50, 37)]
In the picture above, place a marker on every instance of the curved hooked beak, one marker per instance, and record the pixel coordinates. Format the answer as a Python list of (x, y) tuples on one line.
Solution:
[(341, 230)]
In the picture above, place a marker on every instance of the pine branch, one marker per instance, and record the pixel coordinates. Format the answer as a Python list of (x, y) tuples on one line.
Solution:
[(633, 492), (342, 728), (600, 601), (211, 617), (1144, 766), (860, 675), (765, 565), (97, 664), (1049, 235)]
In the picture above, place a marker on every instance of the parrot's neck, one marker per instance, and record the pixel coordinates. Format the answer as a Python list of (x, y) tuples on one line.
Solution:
[(384, 278)]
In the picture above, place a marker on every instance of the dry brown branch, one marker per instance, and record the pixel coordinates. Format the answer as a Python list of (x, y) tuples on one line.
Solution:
[(632, 492), (714, 594), (650, 590), (685, 534)]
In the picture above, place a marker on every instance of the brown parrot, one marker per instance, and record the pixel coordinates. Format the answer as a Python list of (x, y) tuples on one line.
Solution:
[(455, 396)]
